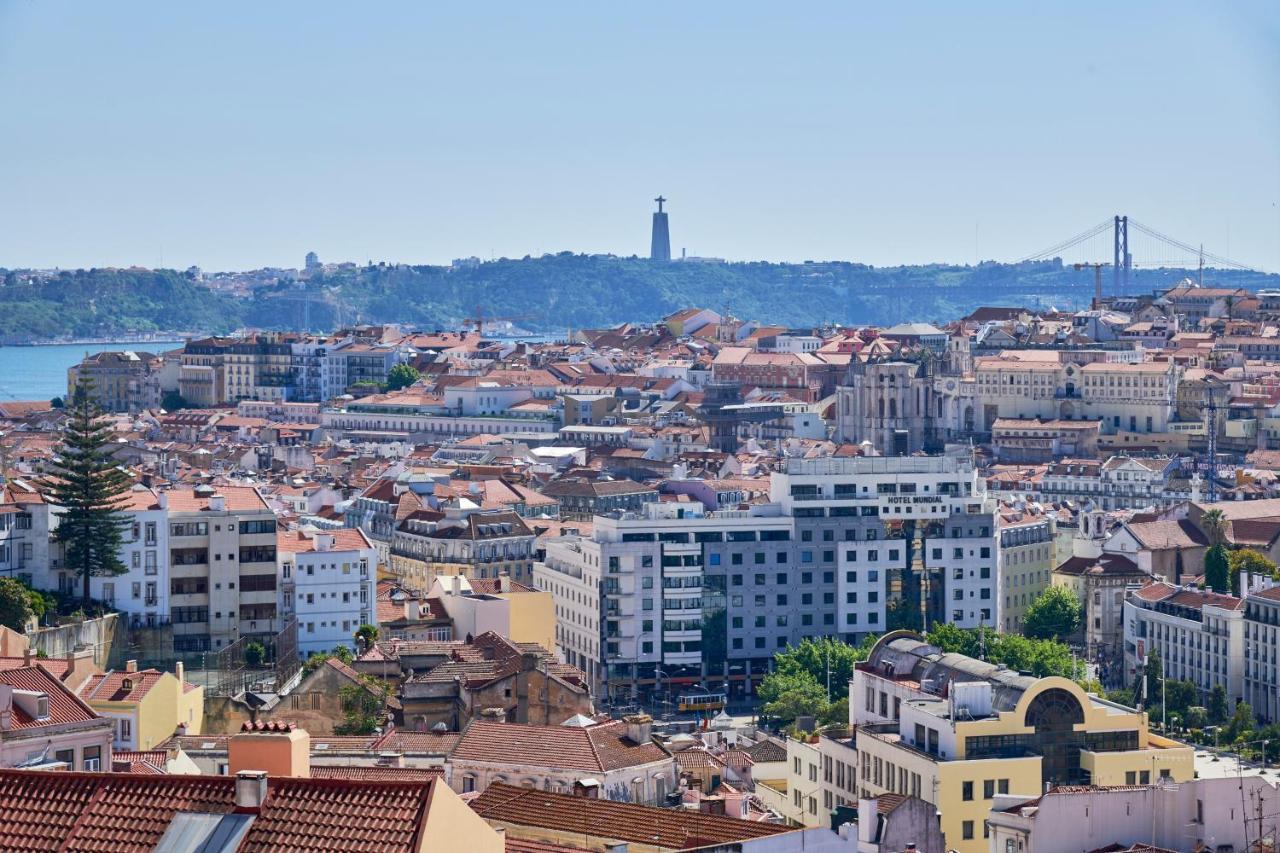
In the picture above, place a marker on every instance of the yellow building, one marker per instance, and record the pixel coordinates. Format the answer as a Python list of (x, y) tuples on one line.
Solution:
[(956, 731), (509, 609), (147, 706), (1027, 558)]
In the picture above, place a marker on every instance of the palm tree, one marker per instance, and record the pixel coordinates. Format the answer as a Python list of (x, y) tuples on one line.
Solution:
[(1214, 525)]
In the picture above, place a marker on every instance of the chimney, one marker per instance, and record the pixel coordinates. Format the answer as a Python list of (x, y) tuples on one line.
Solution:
[(412, 609), (180, 671), (28, 657), (6, 707), (503, 582), (162, 498), (131, 666), (529, 661), (455, 585), (494, 715), (324, 542), (217, 503), (639, 728), (251, 791), (275, 748)]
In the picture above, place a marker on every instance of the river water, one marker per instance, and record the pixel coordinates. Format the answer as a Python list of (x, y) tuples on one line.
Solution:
[(40, 372)]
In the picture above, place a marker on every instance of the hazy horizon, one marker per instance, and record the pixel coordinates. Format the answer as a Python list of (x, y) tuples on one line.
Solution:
[(167, 136)]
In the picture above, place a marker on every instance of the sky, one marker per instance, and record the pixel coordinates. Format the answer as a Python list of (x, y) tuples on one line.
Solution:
[(237, 135)]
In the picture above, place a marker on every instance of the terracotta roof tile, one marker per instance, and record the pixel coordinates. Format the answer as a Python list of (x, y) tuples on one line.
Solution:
[(667, 828), (64, 706), (594, 749), (124, 812), (111, 686)]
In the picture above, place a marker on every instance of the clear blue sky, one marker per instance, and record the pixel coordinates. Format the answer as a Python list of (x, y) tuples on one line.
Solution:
[(234, 135)]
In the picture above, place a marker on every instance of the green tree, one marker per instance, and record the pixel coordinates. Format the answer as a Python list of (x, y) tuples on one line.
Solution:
[(1196, 717), (1217, 706), (402, 376), (836, 713), (1214, 525), (57, 403), (1241, 724), (89, 485), (15, 604), (1146, 691), (1055, 614), (1249, 561), (343, 654), (361, 710), (1217, 571), (816, 657), (173, 401), (776, 684), (809, 699), (367, 635), (254, 654), (1039, 657)]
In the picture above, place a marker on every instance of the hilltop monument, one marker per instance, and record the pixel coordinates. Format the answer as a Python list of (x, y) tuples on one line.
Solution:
[(660, 244)]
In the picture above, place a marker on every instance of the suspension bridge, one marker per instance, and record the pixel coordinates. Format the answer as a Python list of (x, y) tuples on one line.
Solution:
[(1122, 243)]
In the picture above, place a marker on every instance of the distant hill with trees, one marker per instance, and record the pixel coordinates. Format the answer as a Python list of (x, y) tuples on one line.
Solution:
[(553, 292)]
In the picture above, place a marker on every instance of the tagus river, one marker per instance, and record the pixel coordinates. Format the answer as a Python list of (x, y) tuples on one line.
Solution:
[(40, 372)]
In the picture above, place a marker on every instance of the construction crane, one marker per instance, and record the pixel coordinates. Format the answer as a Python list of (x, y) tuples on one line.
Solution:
[(1097, 281), (478, 321)]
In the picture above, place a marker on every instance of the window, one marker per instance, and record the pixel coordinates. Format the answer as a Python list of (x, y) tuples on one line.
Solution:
[(988, 789), (966, 791), (966, 830), (92, 759)]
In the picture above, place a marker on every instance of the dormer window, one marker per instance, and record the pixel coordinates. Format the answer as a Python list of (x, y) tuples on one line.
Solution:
[(42, 707)]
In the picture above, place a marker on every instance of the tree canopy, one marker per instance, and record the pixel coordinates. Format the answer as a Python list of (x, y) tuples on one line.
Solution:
[(1249, 561), (402, 376), (1055, 614), (15, 604), (1039, 657), (1217, 569)]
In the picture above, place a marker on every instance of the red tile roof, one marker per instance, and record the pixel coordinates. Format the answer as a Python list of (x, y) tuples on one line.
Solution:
[(667, 828), (124, 812), (594, 749), (110, 686), (64, 706), (376, 773)]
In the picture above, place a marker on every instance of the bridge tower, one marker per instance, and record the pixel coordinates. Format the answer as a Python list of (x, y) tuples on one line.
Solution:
[(1123, 260)]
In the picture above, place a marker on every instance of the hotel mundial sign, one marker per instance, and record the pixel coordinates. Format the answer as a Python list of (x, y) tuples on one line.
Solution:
[(914, 505)]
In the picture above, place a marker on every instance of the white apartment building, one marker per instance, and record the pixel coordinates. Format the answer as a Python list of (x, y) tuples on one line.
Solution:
[(1262, 653), (25, 524), (938, 498), (142, 591), (1199, 635), (1121, 482), (328, 583), (573, 579)]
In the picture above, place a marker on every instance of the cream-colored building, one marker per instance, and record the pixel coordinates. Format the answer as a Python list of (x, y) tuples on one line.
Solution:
[(957, 732), (223, 573), (1079, 385)]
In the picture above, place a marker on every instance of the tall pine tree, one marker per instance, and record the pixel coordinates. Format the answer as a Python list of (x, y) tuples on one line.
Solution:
[(88, 487)]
